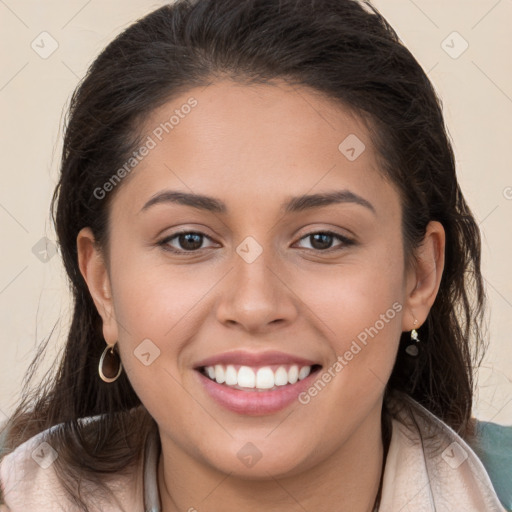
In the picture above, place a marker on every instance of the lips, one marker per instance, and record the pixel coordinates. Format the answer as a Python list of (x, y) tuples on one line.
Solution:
[(252, 359), (255, 383)]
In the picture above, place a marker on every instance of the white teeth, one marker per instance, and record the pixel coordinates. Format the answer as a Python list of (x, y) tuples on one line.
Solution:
[(293, 374), (219, 373), (304, 372), (260, 378), (246, 377), (265, 378), (231, 376), (281, 377)]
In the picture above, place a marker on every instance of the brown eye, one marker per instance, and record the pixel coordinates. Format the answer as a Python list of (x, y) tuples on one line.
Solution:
[(323, 241), (187, 241), (190, 241)]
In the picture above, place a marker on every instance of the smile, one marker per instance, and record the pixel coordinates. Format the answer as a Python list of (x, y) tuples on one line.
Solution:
[(264, 378), (255, 384)]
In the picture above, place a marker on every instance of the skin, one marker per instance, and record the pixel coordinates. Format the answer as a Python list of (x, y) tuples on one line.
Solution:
[(253, 147)]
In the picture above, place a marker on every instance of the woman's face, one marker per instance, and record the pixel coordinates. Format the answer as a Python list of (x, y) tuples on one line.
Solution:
[(271, 282)]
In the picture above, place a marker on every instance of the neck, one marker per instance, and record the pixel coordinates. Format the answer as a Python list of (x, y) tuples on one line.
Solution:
[(347, 481)]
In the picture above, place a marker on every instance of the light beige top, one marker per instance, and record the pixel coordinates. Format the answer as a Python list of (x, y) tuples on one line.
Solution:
[(429, 468)]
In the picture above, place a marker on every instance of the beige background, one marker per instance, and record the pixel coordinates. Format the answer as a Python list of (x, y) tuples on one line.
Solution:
[(475, 86)]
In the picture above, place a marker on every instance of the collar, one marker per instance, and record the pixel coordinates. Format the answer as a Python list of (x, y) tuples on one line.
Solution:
[(152, 452), (428, 467)]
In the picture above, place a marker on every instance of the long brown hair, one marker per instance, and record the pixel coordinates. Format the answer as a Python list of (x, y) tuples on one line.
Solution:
[(341, 48)]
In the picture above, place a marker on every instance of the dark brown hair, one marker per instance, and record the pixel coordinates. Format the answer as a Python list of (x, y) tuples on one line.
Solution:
[(341, 48)]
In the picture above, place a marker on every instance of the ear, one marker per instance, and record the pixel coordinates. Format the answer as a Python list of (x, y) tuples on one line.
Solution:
[(422, 282), (94, 271)]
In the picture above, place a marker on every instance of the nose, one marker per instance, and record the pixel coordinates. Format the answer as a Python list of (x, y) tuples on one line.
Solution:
[(257, 296)]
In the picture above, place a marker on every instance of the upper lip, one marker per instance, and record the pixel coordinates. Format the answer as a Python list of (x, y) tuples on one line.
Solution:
[(245, 358)]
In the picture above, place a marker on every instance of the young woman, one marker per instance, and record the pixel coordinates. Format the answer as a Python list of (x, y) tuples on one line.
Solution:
[(276, 277)]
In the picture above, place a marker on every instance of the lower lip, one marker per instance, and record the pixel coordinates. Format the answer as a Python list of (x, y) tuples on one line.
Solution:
[(254, 403)]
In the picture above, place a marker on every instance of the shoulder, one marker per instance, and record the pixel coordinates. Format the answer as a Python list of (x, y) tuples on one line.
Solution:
[(29, 480), (431, 464), (27, 472)]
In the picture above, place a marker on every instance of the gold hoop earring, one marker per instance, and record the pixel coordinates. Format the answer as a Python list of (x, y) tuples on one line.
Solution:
[(112, 356)]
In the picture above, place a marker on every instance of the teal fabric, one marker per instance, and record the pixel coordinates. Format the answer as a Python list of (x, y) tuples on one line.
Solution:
[(494, 448), (3, 434)]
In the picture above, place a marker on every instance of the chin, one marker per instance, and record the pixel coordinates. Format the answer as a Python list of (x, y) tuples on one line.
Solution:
[(253, 461)]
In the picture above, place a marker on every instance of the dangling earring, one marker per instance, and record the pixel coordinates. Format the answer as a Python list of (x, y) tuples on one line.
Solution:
[(113, 360), (413, 348)]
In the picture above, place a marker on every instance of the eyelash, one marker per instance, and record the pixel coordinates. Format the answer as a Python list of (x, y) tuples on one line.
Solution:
[(346, 242)]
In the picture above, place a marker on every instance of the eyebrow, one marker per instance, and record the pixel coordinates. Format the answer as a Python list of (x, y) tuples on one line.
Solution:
[(291, 205)]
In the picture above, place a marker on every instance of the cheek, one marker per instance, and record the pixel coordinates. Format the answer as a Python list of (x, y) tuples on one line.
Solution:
[(158, 308), (153, 298), (360, 310), (154, 308), (351, 297)]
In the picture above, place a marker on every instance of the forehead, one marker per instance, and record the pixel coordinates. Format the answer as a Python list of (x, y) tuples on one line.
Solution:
[(244, 142)]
